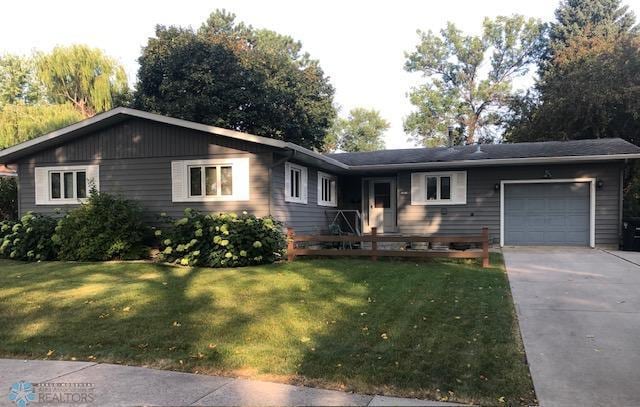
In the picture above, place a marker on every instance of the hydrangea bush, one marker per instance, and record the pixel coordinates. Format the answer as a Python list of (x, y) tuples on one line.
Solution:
[(106, 227), (221, 240), (28, 239)]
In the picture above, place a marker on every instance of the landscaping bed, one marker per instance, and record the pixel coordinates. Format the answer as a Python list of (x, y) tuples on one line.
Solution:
[(442, 329)]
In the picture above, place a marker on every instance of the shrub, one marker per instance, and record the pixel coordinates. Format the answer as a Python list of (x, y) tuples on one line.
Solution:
[(28, 239), (107, 227), (8, 198), (222, 240)]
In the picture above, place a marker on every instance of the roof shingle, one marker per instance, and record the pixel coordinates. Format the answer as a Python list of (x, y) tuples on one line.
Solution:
[(574, 148)]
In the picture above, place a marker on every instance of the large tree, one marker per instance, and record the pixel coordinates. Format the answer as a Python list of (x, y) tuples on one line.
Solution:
[(588, 80), (458, 92), (592, 91), (232, 75), (574, 16), (85, 77), (362, 130), (21, 122), (19, 83)]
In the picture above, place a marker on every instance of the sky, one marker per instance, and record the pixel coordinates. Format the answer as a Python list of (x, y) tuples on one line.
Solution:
[(360, 44)]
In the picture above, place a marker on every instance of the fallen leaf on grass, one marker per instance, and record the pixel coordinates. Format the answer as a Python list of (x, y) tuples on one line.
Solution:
[(126, 309)]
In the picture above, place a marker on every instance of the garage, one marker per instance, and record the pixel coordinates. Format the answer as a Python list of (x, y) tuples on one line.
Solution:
[(547, 213)]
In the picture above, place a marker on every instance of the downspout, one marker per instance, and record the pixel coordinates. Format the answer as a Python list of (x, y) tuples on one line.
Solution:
[(621, 203), (281, 161), (17, 188)]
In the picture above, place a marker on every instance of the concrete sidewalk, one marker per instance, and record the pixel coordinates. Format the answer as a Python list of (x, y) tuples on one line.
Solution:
[(116, 385)]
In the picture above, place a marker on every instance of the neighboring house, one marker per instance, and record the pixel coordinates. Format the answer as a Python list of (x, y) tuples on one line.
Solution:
[(556, 193)]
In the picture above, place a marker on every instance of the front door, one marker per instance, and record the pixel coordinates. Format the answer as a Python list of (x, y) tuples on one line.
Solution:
[(382, 205)]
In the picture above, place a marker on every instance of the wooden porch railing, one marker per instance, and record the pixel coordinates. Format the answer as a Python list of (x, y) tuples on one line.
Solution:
[(293, 251)]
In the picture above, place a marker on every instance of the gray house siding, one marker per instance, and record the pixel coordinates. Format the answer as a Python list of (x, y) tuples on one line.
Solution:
[(135, 161), (303, 218), (483, 201)]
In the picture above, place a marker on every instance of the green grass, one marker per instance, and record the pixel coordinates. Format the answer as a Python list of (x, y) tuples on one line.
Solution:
[(439, 329)]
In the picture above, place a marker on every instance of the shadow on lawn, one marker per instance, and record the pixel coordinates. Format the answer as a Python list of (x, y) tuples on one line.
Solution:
[(400, 328), (448, 336)]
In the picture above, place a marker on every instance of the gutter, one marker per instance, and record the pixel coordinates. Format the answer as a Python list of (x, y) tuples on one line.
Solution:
[(497, 161)]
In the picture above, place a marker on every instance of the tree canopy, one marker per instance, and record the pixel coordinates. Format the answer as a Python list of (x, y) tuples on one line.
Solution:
[(85, 77), (589, 86), (574, 16), (362, 130), (19, 83), (20, 122), (44, 92), (458, 93), (232, 75)]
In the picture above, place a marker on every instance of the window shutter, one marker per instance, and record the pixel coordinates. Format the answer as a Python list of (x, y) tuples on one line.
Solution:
[(93, 177), (418, 193), (42, 186), (241, 179), (178, 181), (304, 184), (287, 180), (460, 187)]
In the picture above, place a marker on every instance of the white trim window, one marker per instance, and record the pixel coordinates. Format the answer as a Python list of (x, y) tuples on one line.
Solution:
[(65, 185), (210, 180), (295, 183), (327, 189), (439, 188)]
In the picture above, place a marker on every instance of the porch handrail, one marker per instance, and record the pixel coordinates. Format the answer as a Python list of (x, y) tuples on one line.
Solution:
[(356, 228)]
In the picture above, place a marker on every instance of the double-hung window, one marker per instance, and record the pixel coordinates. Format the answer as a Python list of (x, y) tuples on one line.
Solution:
[(295, 180), (64, 184), (439, 188), (210, 180), (327, 190)]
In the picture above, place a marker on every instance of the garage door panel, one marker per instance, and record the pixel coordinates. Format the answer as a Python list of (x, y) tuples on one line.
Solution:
[(557, 205), (536, 204), (547, 214), (578, 204), (516, 204)]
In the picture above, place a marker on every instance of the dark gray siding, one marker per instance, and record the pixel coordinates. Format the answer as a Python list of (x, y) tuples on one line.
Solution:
[(135, 161), (303, 218), (483, 201)]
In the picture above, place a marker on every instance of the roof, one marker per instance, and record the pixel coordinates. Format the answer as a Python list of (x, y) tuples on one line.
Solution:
[(120, 114), (6, 171), (415, 158), (471, 155)]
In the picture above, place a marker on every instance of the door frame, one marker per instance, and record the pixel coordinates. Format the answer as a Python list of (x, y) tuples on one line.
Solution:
[(592, 201), (366, 227)]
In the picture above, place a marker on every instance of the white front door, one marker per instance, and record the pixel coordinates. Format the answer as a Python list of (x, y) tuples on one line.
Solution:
[(382, 205)]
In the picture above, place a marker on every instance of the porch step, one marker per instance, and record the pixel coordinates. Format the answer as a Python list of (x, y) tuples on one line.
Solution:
[(386, 245)]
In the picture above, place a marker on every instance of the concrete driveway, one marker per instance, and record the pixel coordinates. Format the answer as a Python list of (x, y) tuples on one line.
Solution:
[(579, 313)]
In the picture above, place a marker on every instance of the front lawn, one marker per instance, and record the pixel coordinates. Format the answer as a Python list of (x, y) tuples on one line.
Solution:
[(440, 329)]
